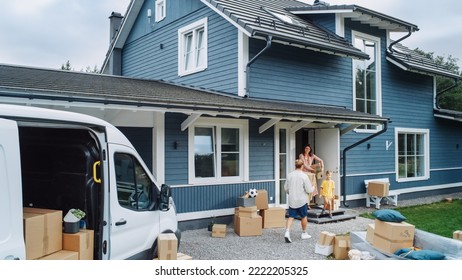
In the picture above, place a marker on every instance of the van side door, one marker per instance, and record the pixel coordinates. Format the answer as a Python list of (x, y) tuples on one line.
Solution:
[(11, 231), (134, 215)]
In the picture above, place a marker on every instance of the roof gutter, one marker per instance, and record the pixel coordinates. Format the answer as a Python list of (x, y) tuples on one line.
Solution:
[(390, 47), (438, 95), (247, 70), (343, 183)]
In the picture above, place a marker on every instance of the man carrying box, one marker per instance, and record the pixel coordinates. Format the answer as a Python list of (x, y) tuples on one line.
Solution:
[(297, 186)]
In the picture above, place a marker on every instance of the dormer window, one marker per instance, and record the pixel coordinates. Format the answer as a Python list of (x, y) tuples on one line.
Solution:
[(160, 9)]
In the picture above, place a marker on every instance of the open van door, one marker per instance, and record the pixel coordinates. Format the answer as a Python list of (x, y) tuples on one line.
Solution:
[(11, 231)]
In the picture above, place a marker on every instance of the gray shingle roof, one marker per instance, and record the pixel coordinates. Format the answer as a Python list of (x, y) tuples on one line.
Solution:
[(411, 60), (358, 13), (46, 84), (258, 19)]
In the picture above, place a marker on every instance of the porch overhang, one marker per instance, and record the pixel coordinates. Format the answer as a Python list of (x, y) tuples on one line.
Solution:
[(42, 87)]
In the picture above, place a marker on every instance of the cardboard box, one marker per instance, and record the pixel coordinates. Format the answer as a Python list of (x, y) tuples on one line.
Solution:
[(261, 200), (326, 238), (249, 226), (457, 235), (390, 246), (219, 230), (394, 231), (61, 255), (182, 257), (167, 246), (274, 217), (53, 234), (248, 212), (81, 242), (245, 202), (34, 235), (378, 188), (179, 257), (341, 247), (370, 233), (325, 250)]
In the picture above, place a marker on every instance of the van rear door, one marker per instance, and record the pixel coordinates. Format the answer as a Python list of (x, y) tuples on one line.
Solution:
[(11, 231)]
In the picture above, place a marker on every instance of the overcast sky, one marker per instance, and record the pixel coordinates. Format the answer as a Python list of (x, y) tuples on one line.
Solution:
[(47, 33)]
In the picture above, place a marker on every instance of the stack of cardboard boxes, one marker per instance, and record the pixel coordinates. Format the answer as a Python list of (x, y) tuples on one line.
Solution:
[(252, 215), (390, 236), (44, 238)]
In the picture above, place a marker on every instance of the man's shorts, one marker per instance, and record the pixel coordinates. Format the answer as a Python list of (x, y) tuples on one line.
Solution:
[(301, 212)]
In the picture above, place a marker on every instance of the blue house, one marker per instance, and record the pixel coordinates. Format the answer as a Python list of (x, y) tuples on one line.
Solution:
[(220, 96)]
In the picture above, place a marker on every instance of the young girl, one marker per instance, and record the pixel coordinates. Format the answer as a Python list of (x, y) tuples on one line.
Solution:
[(327, 193)]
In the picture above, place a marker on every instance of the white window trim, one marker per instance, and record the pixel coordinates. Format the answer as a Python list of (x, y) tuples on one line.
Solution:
[(378, 55), (181, 32), (426, 133), (160, 13), (243, 127)]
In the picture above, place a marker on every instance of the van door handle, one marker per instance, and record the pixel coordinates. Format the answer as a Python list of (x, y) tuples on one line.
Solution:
[(121, 222)]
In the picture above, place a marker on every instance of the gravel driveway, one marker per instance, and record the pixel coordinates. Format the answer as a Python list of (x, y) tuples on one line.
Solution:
[(271, 245)]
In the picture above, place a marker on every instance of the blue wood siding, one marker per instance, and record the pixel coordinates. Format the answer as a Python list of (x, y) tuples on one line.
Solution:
[(175, 9), (141, 138), (299, 75), (213, 197), (155, 55), (326, 21), (176, 160), (261, 152), (407, 99)]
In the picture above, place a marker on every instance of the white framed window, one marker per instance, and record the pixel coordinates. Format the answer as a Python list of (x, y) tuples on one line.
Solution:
[(412, 154), (218, 151), (192, 48), (367, 78), (161, 9)]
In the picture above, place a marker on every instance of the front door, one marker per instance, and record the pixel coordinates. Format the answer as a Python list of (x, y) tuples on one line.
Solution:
[(328, 148)]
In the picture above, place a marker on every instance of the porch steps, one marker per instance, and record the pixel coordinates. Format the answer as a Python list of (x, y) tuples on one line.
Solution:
[(315, 216)]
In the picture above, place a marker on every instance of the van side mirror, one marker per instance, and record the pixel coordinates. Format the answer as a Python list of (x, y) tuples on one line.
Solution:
[(165, 194)]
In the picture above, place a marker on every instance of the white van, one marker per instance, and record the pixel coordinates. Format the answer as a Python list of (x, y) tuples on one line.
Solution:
[(61, 160)]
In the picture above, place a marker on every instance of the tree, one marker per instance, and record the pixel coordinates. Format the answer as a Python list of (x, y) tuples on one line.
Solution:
[(68, 67), (451, 93)]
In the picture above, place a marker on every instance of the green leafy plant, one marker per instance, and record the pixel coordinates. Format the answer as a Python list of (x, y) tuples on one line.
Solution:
[(78, 213)]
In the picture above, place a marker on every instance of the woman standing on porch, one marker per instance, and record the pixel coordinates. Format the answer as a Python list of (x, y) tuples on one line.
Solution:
[(309, 167)]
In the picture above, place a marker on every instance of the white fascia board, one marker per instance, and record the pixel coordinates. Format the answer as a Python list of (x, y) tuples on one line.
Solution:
[(227, 18), (315, 12)]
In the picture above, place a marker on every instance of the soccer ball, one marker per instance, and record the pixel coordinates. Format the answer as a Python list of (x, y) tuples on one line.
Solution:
[(253, 193)]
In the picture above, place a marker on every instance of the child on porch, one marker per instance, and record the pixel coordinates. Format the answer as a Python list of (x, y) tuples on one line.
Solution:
[(327, 193)]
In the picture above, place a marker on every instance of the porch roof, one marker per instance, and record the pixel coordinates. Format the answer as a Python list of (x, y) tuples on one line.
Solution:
[(448, 114), (411, 60), (19, 84)]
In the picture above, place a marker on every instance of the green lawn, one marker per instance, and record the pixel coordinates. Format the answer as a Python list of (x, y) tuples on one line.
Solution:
[(442, 218)]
